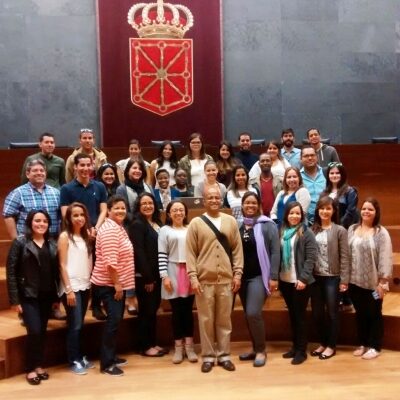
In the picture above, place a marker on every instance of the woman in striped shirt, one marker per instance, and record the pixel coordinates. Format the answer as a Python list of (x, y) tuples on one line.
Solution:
[(112, 275)]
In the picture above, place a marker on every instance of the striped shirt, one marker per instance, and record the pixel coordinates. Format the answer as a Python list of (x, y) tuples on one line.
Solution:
[(115, 250), (26, 198)]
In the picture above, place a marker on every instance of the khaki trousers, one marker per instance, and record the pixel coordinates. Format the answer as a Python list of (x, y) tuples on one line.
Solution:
[(214, 307)]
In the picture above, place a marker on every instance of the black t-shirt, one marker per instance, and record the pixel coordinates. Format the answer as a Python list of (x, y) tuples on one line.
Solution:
[(251, 264)]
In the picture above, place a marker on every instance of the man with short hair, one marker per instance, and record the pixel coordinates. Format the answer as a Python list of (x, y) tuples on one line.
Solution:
[(55, 166), (291, 153), (246, 157), (87, 191), (268, 184), (215, 276), (86, 141), (313, 178), (326, 154), (34, 195)]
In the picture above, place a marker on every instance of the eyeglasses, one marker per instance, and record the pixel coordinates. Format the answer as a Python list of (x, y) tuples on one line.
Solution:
[(86, 130), (335, 164)]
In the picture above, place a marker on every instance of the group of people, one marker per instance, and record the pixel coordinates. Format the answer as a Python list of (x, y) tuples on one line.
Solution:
[(90, 229)]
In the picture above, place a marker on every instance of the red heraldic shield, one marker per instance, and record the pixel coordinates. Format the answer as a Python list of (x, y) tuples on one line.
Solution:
[(161, 74)]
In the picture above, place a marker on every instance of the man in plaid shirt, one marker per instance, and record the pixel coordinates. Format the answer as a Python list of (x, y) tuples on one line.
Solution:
[(34, 195)]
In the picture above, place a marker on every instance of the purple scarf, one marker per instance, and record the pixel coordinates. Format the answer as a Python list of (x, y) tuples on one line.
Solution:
[(262, 254)]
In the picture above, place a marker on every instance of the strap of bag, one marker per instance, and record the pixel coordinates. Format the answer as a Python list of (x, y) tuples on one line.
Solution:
[(222, 239)]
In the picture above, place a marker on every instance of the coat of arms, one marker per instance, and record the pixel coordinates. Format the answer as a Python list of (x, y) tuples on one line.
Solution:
[(161, 61)]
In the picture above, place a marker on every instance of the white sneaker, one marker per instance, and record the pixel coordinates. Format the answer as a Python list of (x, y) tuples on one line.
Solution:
[(359, 351), (78, 368), (371, 354)]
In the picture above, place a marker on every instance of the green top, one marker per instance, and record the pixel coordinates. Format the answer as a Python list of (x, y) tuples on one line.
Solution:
[(55, 167)]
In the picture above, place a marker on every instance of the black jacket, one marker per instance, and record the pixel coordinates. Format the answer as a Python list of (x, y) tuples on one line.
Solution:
[(145, 245), (23, 269)]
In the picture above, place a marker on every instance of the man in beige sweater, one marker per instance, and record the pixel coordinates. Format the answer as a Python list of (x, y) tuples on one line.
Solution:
[(214, 276)]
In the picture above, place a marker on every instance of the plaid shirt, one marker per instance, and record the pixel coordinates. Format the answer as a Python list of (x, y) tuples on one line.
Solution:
[(26, 198)]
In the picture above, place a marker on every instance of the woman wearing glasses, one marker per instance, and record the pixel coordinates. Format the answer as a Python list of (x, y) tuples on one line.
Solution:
[(261, 250), (193, 163), (345, 195)]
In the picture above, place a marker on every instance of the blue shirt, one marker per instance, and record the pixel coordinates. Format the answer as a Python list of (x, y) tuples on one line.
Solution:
[(292, 156), (91, 196), (315, 186), (26, 198)]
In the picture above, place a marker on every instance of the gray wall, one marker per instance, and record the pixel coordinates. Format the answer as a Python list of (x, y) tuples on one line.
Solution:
[(48, 69), (334, 64)]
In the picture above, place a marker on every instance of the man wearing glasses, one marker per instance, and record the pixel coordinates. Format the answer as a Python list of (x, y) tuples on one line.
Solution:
[(313, 178), (86, 142)]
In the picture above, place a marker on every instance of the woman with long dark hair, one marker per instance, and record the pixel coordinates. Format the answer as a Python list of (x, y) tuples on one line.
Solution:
[(135, 183), (299, 253), (143, 232), (331, 273), (175, 281), (238, 187), (260, 240), (345, 195), (75, 255), (32, 277), (226, 161), (293, 190), (107, 174), (371, 267), (166, 159)]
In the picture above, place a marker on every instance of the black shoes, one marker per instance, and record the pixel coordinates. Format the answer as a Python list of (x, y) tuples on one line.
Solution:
[(33, 381), (227, 365), (113, 371), (247, 356), (207, 366), (44, 376), (299, 358), (289, 354), (323, 356), (315, 353)]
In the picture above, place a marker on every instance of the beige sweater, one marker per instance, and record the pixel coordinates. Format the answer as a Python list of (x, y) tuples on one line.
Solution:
[(206, 259)]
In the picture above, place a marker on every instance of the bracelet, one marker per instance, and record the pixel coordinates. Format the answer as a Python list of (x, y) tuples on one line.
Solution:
[(69, 291)]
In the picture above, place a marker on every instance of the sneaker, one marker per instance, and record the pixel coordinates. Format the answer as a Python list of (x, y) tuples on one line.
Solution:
[(359, 351), (120, 362), (78, 368), (113, 371), (370, 354), (86, 363)]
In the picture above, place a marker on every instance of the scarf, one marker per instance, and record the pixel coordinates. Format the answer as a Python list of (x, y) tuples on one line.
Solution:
[(288, 233), (263, 258), (137, 187)]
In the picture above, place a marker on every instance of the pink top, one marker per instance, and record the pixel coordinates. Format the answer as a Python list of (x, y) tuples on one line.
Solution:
[(115, 250)]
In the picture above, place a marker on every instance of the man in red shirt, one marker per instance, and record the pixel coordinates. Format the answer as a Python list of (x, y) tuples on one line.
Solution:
[(268, 184)]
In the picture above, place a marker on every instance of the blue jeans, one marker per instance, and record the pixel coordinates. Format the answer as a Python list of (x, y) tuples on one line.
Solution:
[(325, 308), (252, 295), (114, 309), (75, 318), (35, 313)]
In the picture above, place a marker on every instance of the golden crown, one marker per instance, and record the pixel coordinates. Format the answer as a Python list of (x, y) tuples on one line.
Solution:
[(159, 20)]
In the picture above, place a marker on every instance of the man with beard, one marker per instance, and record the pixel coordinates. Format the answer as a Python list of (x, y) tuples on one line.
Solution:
[(267, 184), (291, 153), (246, 157), (325, 154), (313, 178)]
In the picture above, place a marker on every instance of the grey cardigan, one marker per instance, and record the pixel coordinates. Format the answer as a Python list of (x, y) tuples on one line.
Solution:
[(305, 256), (338, 253)]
